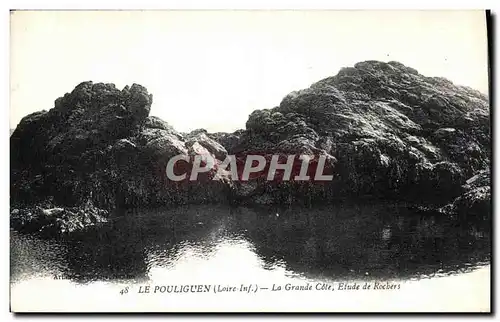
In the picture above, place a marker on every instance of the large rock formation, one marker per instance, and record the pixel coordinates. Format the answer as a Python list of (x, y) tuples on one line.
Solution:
[(385, 130), (392, 132), (98, 149)]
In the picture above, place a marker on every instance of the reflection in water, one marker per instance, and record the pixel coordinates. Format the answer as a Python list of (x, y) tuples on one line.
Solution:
[(354, 241), (342, 241)]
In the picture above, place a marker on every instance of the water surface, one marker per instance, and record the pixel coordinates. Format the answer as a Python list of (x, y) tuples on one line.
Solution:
[(346, 241)]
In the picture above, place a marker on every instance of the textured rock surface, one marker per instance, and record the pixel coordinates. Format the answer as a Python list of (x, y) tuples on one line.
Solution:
[(46, 219), (393, 132), (99, 146), (475, 201), (386, 131)]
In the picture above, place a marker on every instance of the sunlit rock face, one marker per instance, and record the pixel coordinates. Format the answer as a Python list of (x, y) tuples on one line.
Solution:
[(385, 130)]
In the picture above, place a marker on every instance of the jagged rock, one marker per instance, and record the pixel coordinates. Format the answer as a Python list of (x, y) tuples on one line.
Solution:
[(154, 122)]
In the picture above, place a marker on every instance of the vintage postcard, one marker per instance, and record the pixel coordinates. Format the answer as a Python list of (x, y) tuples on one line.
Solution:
[(250, 161)]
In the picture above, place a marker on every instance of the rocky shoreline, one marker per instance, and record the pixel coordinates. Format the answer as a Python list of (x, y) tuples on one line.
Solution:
[(388, 132)]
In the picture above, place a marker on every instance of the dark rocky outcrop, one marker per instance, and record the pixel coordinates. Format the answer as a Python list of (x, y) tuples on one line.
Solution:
[(46, 219), (475, 201), (98, 148), (392, 132), (386, 131)]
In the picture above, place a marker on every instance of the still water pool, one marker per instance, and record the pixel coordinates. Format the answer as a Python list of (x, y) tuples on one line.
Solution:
[(231, 247)]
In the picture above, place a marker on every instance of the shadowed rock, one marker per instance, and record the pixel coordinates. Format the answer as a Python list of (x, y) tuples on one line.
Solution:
[(475, 201)]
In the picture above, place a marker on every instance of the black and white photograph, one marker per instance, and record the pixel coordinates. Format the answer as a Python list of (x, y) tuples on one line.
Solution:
[(250, 161)]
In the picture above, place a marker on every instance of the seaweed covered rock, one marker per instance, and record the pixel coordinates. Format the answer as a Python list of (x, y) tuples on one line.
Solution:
[(47, 219), (67, 143), (227, 140), (99, 145), (394, 132), (475, 201)]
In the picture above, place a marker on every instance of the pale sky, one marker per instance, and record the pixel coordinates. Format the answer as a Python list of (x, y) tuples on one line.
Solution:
[(211, 69)]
